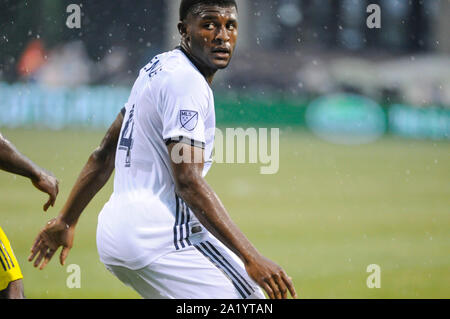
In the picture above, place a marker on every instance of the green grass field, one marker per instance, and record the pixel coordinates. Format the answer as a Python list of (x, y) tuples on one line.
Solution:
[(329, 213)]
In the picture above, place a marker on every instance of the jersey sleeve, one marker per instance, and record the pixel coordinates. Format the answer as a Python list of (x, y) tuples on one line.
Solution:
[(183, 108), (9, 267)]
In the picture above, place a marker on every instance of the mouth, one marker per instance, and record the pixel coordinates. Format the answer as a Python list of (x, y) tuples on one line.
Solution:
[(221, 52)]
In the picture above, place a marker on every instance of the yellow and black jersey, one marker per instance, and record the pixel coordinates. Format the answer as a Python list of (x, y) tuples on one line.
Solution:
[(9, 267)]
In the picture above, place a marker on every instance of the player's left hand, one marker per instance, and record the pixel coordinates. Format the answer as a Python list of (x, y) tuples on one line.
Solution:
[(55, 234), (271, 277), (47, 183)]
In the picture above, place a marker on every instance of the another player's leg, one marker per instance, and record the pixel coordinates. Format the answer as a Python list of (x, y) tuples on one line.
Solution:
[(13, 291), (11, 286)]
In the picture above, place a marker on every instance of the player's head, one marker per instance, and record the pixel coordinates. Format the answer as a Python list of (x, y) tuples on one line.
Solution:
[(209, 30)]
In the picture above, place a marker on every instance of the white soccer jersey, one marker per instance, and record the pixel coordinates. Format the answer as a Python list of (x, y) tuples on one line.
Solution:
[(144, 219)]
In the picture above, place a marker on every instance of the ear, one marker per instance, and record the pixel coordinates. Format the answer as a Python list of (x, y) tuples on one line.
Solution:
[(182, 29)]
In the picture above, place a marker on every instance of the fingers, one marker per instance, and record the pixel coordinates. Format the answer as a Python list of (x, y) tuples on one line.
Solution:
[(264, 285), (290, 286), (50, 238), (52, 198), (47, 258), (278, 285), (63, 255), (47, 183), (47, 205), (282, 287), (273, 286), (35, 248), (272, 289), (41, 247), (42, 252), (53, 193)]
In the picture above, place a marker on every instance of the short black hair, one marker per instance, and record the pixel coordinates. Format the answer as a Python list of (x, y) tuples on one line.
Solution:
[(187, 5)]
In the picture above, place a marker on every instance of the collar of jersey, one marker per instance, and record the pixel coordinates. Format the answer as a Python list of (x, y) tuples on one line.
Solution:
[(180, 48)]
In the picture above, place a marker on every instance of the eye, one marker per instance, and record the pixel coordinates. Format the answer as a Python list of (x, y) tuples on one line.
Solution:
[(231, 26), (209, 26)]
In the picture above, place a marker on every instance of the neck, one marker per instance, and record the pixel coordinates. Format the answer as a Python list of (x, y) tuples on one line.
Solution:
[(207, 72)]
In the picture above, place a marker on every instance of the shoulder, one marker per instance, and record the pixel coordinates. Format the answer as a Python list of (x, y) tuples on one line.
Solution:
[(180, 77)]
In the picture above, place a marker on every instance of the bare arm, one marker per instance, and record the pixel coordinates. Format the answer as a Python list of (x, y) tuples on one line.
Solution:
[(11, 160), (201, 198), (94, 175)]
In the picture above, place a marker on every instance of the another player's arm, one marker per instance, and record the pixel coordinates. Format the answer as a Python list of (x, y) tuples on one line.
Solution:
[(11, 160), (94, 175), (208, 208)]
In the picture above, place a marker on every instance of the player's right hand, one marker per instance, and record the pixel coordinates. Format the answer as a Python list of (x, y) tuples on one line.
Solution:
[(271, 277), (47, 183), (55, 234)]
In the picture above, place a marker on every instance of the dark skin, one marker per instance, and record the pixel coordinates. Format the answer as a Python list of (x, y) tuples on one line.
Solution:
[(60, 231), (13, 291), (209, 36), (12, 161)]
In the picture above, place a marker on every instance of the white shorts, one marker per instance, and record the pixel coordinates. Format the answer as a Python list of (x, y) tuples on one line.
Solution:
[(207, 270)]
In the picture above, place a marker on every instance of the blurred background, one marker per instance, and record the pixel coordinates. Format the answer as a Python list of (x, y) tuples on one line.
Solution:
[(364, 115)]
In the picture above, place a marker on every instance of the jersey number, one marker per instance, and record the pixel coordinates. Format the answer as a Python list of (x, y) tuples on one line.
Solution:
[(126, 140)]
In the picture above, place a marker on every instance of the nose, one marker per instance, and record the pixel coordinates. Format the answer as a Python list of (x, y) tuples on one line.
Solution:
[(223, 35)]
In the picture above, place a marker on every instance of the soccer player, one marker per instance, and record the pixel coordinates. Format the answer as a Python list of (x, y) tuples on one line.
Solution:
[(11, 286), (164, 231)]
